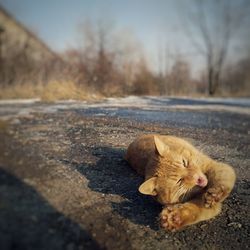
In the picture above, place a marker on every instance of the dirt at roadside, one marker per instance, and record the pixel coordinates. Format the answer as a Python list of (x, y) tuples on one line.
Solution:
[(65, 185)]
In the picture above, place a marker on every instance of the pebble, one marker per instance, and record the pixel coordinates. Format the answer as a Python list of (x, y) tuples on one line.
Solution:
[(203, 226), (234, 224), (51, 231), (70, 246), (34, 218), (15, 121)]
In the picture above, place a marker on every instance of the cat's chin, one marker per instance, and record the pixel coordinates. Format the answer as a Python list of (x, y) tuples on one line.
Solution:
[(196, 190)]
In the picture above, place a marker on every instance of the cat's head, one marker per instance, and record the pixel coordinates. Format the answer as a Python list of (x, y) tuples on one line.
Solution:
[(178, 174)]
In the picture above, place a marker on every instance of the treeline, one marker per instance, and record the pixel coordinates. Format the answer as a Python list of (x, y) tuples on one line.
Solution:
[(112, 63)]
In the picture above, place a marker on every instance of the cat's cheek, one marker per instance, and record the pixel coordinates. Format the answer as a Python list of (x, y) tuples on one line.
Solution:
[(162, 201)]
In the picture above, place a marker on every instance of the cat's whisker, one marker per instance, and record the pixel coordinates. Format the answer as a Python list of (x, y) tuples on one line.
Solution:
[(180, 191)]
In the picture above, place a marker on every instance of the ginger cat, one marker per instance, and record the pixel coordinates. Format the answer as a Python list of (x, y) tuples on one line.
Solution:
[(190, 184)]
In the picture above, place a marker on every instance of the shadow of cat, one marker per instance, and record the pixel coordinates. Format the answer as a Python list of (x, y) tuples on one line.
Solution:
[(112, 175)]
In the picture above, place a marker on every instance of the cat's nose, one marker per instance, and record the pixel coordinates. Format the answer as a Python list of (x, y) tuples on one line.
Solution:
[(201, 181)]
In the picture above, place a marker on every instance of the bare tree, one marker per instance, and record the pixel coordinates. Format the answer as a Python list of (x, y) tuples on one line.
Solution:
[(212, 25), (108, 57), (180, 77)]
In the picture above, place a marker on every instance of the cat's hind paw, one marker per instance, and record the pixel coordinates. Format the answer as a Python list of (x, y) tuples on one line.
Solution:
[(214, 195)]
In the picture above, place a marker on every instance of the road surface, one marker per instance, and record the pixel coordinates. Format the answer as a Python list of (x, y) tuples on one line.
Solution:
[(64, 183)]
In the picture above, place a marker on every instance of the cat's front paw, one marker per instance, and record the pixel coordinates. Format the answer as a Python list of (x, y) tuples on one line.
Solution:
[(214, 195), (175, 217)]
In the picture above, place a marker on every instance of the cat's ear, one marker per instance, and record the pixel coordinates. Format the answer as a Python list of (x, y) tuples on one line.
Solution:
[(148, 187), (160, 146)]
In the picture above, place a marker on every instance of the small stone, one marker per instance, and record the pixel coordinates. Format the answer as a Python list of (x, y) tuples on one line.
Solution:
[(15, 121), (51, 231), (235, 225), (70, 246), (20, 162), (34, 218), (203, 226)]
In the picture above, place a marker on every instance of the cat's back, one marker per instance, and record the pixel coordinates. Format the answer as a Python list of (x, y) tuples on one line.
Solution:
[(140, 151), (175, 142)]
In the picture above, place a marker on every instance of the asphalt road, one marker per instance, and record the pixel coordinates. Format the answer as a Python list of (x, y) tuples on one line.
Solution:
[(64, 183)]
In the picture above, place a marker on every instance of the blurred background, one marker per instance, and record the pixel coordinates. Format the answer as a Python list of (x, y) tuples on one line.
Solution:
[(81, 49)]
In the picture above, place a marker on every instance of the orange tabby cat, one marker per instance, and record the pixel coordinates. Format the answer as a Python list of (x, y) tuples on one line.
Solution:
[(190, 184)]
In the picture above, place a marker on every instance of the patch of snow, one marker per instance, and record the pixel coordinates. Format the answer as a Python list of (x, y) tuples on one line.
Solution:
[(19, 101), (8, 108), (70, 101), (226, 100), (218, 108)]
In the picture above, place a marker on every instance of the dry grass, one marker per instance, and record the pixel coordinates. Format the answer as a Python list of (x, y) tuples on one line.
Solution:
[(52, 91), (3, 125), (20, 91), (62, 91)]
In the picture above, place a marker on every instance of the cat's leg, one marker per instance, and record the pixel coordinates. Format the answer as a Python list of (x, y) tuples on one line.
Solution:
[(176, 217), (221, 179)]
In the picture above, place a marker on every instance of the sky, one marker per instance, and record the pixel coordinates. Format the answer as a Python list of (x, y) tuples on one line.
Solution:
[(155, 23), (56, 20)]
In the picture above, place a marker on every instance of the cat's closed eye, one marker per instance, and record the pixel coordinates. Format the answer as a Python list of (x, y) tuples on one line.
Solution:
[(185, 163), (179, 181)]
